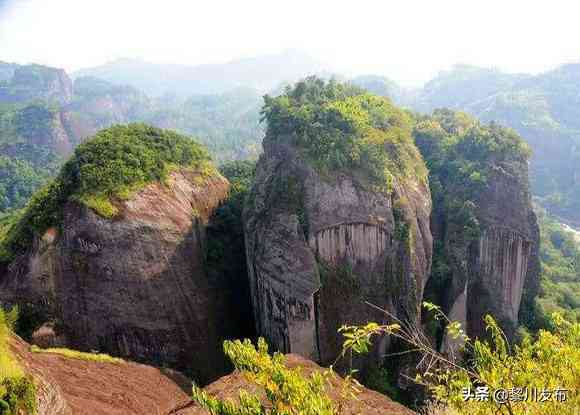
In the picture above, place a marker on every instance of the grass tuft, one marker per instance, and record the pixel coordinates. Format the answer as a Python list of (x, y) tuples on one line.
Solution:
[(74, 354)]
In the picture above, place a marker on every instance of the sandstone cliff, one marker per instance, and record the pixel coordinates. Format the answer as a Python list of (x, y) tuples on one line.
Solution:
[(486, 231), (495, 272), (321, 245), (348, 235), (124, 271), (134, 286)]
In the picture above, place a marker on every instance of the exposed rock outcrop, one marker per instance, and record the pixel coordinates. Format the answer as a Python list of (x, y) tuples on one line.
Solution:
[(68, 386), (504, 262), (133, 286), (319, 247), (486, 231)]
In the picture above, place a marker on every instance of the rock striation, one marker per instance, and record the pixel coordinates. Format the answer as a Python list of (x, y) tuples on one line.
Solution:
[(485, 229), (318, 248), (504, 261)]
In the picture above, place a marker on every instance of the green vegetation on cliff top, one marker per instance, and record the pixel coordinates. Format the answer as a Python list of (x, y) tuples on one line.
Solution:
[(461, 152), (75, 354), (112, 165), (462, 155), (340, 127)]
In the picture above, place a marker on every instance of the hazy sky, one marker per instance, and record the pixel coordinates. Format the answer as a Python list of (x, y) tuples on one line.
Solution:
[(407, 40)]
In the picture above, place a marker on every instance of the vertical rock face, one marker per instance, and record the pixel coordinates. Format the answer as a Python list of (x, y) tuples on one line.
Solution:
[(498, 272), (505, 261), (134, 286), (320, 247)]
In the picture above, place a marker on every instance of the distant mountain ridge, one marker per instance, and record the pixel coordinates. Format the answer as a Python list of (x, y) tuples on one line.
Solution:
[(262, 73), (544, 109), (7, 71), (34, 82), (220, 103)]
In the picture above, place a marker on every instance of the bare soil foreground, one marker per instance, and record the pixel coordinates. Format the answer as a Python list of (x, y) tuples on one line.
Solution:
[(68, 386)]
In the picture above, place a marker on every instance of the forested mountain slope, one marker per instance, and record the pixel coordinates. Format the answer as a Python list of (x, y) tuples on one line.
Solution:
[(44, 116), (543, 109)]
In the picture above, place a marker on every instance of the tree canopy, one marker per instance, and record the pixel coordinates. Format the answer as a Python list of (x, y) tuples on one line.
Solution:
[(113, 164), (338, 126)]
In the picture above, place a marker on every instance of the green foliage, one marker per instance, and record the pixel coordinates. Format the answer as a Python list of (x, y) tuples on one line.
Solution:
[(550, 361), (17, 394), (114, 163), (285, 391), (340, 127), (358, 338), (340, 278), (560, 276), (34, 120), (379, 379), (27, 156), (460, 151), (17, 390), (18, 181), (74, 354), (402, 227)]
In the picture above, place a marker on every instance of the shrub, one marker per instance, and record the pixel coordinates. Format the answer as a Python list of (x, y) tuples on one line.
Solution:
[(113, 164), (17, 390), (340, 127), (286, 391), (551, 361)]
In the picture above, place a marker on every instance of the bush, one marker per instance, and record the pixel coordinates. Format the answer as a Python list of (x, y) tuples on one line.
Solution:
[(17, 390), (549, 361), (340, 127), (286, 391), (110, 166)]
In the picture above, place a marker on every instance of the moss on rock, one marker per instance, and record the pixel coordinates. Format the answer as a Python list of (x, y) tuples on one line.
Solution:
[(111, 166)]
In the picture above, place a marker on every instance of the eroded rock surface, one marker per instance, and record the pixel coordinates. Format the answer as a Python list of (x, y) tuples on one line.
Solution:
[(133, 286), (498, 273), (32, 82), (320, 247), (68, 386)]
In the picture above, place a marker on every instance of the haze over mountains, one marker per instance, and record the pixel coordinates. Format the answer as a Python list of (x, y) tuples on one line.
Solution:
[(542, 108), (262, 73)]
